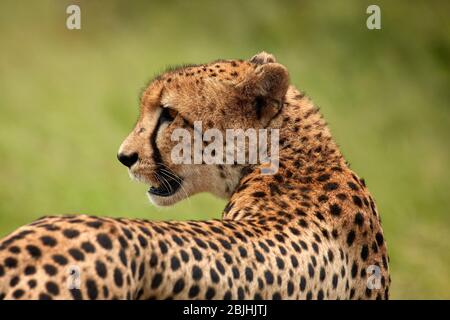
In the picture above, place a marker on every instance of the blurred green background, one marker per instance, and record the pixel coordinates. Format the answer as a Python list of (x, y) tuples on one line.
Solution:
[(68, 98)]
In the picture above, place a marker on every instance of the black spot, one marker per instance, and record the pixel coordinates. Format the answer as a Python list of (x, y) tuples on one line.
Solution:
[(385, 264), (156, 281), (123, 257), (184, 255), (196, 273), (260, 283), (357, 201), (228, 258), (310, 270), (153, 260), (225, 244), (100, 268), (240, 292), (44, 296), (341, 196), (14, 281), (331, 186), (14, 249), (59, 259), (335, 281), (32, 283), (174, 263), (242, 252), (50, 269), (220, 267), (280, 263), (363, 273), (359, 219), (330, 255), (213, 246), (123, 242), (236, 273), (177, 240), (142, 241), (71, 233), (322, 274), (303, 223), (104, 241), (334, 233), (352, 185), (323, 177), (290, 288), (34, 251), (315, 247), (259, 256), (354, 270), (118, 277), (76, 294), (214, 276), (294, 261), (10, 262), (76, 254), (379, 238), (193, 291), (94, 224), (374, 247), (52, 288), (320, 295), (162, 246), (304, 245), (17, 294), (178, 286), (248, 274), (210, 293), (259, 194), (364, 252), (92, 290), (268, 276), (88, 247), (29, 270), (335, 209), (106, 292), (350, 238)]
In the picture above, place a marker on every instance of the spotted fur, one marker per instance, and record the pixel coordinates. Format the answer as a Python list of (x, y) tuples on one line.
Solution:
[(310, 231)]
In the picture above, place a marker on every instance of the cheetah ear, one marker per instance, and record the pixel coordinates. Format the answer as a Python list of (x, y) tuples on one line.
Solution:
[(266, 85), (262, 58), (269, 80)]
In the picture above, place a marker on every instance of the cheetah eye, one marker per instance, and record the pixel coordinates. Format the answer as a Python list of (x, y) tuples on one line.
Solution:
[(167, 114)]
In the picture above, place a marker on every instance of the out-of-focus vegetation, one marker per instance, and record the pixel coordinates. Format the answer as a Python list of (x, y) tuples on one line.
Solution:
[(68, 98)]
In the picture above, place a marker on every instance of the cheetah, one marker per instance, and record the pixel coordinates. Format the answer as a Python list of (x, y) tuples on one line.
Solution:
[(309, 231)]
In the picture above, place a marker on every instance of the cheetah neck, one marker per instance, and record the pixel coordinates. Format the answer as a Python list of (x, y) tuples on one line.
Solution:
[(306, 149)]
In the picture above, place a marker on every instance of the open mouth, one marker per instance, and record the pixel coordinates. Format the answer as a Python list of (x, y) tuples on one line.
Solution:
[(169, 185)]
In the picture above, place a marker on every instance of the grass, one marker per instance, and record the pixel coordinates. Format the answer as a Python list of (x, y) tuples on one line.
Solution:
[(68, 98)]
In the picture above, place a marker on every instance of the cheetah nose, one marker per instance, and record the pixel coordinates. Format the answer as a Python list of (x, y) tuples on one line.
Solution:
[(128, 159)]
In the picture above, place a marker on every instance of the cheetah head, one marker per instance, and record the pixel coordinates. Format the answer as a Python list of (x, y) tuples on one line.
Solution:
[(225, 94)]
